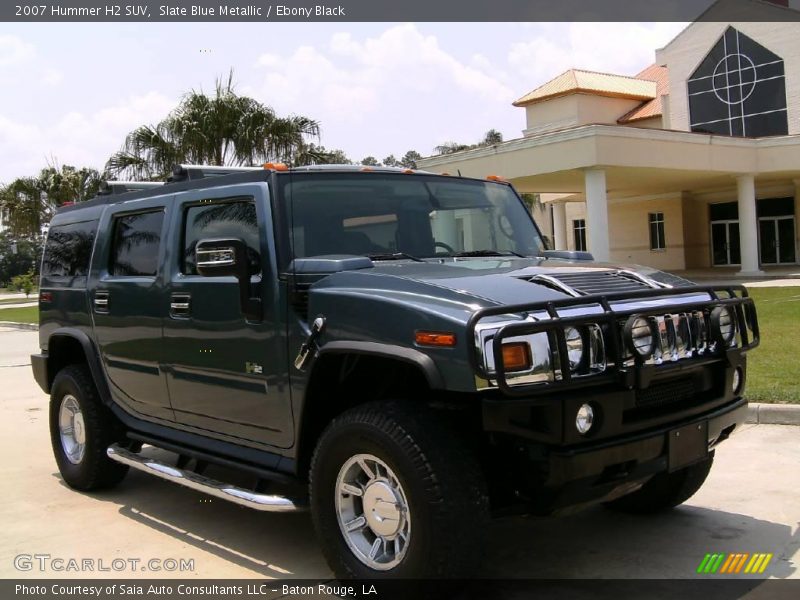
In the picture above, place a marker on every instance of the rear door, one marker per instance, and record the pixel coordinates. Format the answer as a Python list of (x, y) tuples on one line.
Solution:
[(126, 296), (226, 373)]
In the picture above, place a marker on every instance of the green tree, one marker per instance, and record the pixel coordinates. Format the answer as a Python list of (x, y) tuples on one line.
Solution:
[(370, 161), (222, 129), (28, 203), (24, 283), (391, 161), (410, 158), (18, 255), (490, 138), (312, 154)]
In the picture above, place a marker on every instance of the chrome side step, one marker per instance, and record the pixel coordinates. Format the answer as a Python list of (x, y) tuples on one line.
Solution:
[(212, 487)]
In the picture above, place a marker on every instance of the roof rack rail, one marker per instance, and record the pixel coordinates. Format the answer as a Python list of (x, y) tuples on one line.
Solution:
[(108, 188), (189, 172)]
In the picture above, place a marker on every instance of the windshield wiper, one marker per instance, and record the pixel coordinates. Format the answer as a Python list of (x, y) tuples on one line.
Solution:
[(394, 256), (488, 253)]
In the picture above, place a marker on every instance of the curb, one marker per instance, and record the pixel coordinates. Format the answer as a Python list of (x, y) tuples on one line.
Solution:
[(773, 414), (22, 326)]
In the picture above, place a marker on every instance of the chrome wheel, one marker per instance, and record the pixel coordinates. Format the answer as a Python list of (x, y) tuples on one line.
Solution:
[(72, 429), (373, 512)]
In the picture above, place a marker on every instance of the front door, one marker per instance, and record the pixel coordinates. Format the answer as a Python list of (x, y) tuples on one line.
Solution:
[(226, 374), (777, 240), (725, 243)]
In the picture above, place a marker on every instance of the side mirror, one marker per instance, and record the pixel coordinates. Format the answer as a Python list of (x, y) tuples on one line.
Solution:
[(223, 257)]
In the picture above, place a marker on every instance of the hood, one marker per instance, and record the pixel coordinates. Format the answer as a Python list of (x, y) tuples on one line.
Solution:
[(498, 281)]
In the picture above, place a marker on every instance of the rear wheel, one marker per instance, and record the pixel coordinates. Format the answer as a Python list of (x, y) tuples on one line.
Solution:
[(395, 494), (81, 429), (665, 490)]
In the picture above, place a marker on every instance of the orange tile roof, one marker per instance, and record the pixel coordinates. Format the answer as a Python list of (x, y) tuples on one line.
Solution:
[(590, 82), (651, 108)]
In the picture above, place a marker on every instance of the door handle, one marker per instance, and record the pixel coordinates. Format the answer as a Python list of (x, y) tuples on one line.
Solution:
[(101, 301), (180, 305)]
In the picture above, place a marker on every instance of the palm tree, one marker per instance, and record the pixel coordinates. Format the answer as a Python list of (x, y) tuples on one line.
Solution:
[(25, 206), (223, 129), (490, 138)]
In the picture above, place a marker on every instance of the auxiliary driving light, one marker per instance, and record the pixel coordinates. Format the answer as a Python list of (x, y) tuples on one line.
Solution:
[(736, 383), (723, 325), (640, 336), (574, 347), (584, 419)]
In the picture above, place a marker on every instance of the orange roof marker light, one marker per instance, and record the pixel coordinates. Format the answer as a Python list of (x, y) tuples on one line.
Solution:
[(445, 173), (408, 171), (494, 178), (276, 166), (367, 169), (435, 338)]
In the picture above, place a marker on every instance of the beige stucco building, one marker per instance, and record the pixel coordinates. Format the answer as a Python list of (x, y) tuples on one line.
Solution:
[(693, 163)]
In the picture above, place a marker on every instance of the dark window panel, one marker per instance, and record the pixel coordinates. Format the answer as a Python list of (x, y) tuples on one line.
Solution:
[(768, 95), (765, 125), (136, 242), (227, 219), (723, 211), (775, 207), (68, 250)]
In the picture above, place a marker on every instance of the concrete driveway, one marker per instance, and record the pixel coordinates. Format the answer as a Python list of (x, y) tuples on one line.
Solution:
[(749, 504)]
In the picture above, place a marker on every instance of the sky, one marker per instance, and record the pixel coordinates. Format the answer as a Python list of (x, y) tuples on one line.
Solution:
[(71, 92)]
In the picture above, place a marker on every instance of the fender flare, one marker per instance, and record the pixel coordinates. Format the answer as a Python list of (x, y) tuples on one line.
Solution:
[(92, 359), (408, 355)]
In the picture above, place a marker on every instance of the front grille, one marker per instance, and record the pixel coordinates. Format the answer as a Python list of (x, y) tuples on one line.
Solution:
[(666, 392), (587, 283)]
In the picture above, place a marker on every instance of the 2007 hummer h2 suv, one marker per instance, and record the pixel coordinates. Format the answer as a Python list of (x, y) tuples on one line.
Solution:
[(397, 343)]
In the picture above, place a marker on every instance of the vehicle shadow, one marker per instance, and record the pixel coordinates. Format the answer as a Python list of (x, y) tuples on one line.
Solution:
[(593, 544), (602, 544)]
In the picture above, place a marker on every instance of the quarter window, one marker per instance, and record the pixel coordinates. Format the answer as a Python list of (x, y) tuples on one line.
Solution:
[(68, 250), (235, 218), (579, 234), (135, 244), (657, 231)]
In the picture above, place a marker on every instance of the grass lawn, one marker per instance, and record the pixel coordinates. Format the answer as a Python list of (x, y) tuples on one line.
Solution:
[(29, 314), (773, 367)]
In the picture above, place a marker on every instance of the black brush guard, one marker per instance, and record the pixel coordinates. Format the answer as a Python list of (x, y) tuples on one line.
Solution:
[(734, 296)]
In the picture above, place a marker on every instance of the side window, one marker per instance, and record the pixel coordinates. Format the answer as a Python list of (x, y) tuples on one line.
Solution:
[(68, 250), (135, 244), (231, 218), (656, 221)]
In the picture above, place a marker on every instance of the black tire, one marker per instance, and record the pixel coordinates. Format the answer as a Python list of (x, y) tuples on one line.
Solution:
[(95, 470), (445, 489), (665, 490)]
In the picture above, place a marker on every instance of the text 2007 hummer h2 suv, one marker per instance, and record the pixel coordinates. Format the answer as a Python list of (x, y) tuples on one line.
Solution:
[(397, 343)]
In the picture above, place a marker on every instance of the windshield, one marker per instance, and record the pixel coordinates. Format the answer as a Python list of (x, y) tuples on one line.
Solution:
[(388, 215)]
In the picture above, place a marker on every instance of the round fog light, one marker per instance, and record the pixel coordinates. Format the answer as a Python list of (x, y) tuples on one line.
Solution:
[(736, 383), (584, 419)]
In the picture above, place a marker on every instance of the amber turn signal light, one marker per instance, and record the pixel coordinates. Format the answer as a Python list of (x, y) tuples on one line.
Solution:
[(435, 338), (517, 356)]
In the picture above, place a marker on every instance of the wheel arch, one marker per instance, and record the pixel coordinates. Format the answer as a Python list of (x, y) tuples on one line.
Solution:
[(68, 346), (384, 370)]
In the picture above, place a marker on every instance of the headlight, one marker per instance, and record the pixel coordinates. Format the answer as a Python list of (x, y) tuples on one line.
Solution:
[(640, 336), (723, 325), (574, 347)]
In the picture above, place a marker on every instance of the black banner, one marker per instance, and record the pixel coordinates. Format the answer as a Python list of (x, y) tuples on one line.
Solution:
[(399, 10), (254, 589)]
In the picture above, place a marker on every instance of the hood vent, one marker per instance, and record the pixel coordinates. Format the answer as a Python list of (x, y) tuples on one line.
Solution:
[(587, 283)]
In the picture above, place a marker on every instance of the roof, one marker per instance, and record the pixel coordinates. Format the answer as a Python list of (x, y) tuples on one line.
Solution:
[(654, 107), (591, 82)]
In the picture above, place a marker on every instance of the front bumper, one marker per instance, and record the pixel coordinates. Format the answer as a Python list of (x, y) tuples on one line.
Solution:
[(556, 468), (39, 367)]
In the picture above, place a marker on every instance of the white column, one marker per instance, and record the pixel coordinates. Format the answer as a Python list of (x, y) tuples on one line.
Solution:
[(559, 225), (748, 224), (596, 213)]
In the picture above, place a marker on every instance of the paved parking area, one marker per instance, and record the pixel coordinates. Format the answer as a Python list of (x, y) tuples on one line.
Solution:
[(750, 503)]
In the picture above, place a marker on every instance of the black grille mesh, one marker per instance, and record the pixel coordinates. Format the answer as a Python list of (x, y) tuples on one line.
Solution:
[(667, 392)]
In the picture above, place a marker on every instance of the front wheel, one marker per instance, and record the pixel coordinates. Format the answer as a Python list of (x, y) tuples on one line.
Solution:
[(395, 494), (665, 490)]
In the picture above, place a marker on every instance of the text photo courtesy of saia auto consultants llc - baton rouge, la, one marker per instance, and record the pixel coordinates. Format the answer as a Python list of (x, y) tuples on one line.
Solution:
[(413, 300)]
